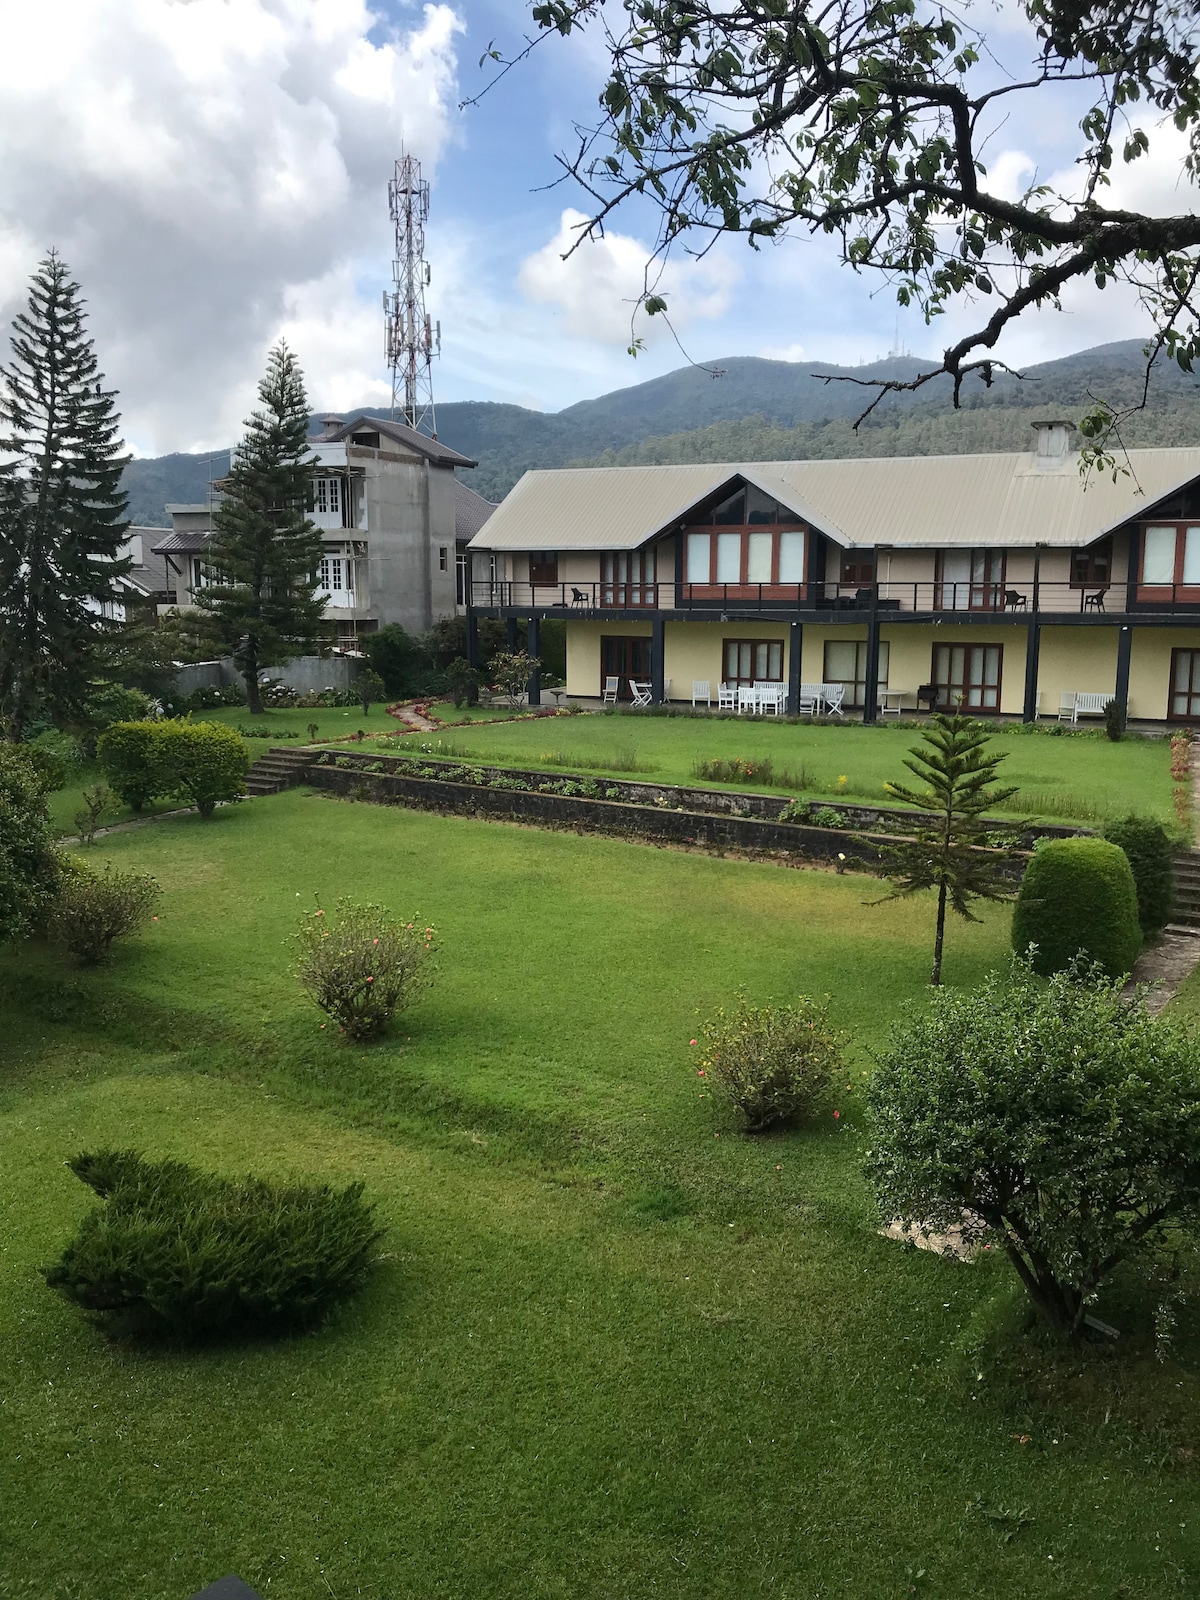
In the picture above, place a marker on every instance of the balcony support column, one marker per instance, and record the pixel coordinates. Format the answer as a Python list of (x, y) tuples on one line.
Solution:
[(1033, 648), (658, 651), (534, 638), (795, 666), (1124, 651), (871, 687)]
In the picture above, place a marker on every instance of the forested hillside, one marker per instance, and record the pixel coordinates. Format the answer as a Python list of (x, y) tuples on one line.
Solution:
[(760, 410)]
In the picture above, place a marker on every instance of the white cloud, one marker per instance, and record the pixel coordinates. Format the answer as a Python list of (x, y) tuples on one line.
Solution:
[(595, 291), (784, 352), (211, 172)]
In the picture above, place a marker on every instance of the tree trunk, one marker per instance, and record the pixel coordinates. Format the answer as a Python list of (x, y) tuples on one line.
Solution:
[(940, 937), (250, 675)]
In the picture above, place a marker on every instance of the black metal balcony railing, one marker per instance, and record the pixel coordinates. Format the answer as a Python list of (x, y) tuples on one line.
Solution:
[(1015, 599)]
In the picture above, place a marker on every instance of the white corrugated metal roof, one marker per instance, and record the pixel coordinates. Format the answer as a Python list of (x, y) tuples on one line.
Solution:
[(919, 501)]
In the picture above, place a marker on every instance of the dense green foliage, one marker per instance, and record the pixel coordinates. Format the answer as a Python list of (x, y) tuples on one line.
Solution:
[(263, 554), (773, 1063), (62, 511), (1151, 850), (949, 853), (362, 965), (28, 861), (94, 909), (205, 762), (368, 686), (173, 1250), (1058, 1122), (1078, 898)]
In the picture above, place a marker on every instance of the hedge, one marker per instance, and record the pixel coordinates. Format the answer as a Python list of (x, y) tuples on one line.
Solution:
[(1151, 851), (1077, 898), (200, 761)]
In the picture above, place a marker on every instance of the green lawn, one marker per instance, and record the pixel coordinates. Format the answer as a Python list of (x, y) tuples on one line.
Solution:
[(1081, 777), (616, 1349)]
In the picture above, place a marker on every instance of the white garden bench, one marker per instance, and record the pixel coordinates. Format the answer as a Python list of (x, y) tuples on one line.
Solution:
[(1075, 703)]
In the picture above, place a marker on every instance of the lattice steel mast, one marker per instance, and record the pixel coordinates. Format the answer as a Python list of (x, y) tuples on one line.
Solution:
[(412, 339)]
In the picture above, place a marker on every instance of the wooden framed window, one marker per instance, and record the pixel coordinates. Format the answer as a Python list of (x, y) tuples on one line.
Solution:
[(1092, 568), (624, 658), (970, 580), (968, 675), (1170, 564), (752, 559), (857, 571), (628, 578), (1184, 702), (846, 663), (543, 567), (752, 661)]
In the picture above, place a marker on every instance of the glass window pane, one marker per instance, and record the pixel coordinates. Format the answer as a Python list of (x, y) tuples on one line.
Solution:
[(1191, 556), (841, 660), (775, 660), (1158, 559), (698, 547), (729, 558), (758, 562), (760, 508), (760, 661), (791, 558), (732, 513), (730, 668)]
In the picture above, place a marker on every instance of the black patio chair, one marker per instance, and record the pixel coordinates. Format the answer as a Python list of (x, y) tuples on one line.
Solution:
[(578, 598), (1014, 600), (927, 696), (1094, 602)]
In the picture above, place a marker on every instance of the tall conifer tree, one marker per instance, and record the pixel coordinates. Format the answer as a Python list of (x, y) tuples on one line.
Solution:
[(62, 512), (262, 558)]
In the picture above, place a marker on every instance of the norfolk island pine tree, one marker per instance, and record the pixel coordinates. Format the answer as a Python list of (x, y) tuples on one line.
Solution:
[(62, 512), (261, 562), (946, 854)]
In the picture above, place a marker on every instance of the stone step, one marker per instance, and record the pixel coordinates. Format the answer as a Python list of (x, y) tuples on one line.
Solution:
[(1190, 929)]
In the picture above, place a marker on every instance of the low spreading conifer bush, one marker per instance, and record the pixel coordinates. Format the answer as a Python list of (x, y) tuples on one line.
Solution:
[(94, 909), (179, 1252), (773, 1063), (362, 965)]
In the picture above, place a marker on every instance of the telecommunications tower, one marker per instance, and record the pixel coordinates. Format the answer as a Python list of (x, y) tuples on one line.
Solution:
[(412, 339)]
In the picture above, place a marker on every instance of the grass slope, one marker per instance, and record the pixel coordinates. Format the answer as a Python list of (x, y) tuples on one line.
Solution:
[(609, 1353), (1079, 777)]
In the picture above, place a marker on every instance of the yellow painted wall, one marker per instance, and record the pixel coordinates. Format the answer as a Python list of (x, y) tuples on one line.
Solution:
[(693, 650), (583, 651), (911, 657), (1079, 660), (1150, 668)]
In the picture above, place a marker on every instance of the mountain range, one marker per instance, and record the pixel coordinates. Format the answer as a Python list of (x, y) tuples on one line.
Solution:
[(747, 409)]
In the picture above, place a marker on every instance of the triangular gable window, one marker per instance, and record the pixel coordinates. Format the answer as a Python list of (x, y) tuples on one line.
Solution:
[(748, 507)]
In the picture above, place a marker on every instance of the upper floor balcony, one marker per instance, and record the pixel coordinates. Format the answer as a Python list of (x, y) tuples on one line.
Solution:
[(938, 597)]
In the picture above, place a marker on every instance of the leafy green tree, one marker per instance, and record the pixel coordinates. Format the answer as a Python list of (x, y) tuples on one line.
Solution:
[(511, 671), (62, 512), (950, 852), (28, 859), (368, 686), (1057, 1121), (261, 562), (868, 123)]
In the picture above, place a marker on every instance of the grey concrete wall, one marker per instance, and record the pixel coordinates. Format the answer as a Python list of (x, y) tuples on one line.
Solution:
[(302, 674)]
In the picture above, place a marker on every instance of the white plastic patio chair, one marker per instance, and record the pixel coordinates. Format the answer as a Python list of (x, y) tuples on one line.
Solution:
[(747, 699), (701, 690), (611, 687), (1066, 706), (834, 694), (727, 697), (641, 692), (770, 697)]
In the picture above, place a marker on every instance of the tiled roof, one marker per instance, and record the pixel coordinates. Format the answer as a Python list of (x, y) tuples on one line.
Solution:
[(188, 543), (432, 449), (471, 511)]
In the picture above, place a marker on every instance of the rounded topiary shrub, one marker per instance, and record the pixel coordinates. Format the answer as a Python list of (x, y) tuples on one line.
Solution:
[(1151, 852), (176, 1251), (1077, 898)]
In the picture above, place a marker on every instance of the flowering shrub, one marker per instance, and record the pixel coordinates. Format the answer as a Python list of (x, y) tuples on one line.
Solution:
[(773, 1062), (362, 964), (180, 1252), (93, 909)]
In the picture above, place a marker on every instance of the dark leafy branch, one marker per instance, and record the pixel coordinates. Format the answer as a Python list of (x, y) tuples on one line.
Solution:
[(868, 120)]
